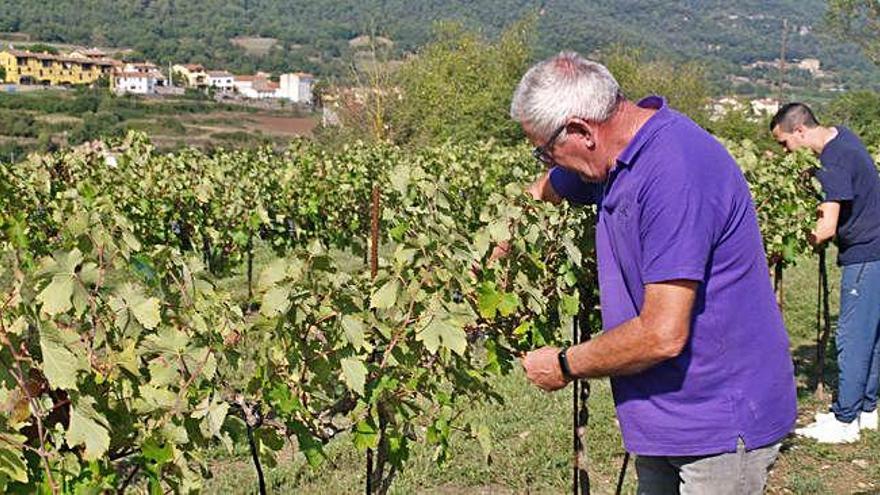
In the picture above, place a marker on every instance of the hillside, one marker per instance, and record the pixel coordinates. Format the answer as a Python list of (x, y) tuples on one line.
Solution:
[(244, 35)]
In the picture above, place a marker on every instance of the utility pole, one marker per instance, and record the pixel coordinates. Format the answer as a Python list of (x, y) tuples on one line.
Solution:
[(781, 93)]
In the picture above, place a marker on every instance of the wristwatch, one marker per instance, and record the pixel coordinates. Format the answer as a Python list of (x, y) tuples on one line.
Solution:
[(563, 364)]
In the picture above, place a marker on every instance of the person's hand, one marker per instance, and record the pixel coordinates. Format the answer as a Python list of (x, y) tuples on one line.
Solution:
[(542, 369), (501, 250)]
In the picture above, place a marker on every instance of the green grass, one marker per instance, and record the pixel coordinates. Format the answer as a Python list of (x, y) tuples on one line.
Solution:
[(532, 439)]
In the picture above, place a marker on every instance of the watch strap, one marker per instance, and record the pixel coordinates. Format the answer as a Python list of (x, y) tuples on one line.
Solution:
[(563, 364)]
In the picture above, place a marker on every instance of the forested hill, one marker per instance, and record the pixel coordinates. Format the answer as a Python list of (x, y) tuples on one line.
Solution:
[(314, 35)]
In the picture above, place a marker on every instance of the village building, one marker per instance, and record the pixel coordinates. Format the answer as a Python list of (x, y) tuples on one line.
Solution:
[(220, 80), (90, 53), (193, 75), (23, 67), (143, 78), (296, 87)]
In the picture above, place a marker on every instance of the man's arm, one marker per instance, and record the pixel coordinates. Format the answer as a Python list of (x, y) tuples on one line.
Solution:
[(826, 223), (659, 333)]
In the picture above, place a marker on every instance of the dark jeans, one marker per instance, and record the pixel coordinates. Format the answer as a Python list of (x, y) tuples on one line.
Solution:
[(736, 473), (858, 341)]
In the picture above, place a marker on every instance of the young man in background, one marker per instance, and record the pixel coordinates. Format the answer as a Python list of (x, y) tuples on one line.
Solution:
[(849, 214)]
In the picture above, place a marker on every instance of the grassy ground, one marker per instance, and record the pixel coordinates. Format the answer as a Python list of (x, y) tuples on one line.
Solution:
[(532, 439)]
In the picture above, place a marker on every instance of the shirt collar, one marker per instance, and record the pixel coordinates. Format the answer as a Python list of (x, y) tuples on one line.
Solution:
[(661, 117)]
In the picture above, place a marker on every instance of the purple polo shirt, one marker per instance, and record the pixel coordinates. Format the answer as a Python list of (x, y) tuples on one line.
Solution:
[(676, 206)]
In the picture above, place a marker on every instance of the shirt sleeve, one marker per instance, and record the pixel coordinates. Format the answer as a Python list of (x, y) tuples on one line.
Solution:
[(836, 182), (572, 188), (678, 226)]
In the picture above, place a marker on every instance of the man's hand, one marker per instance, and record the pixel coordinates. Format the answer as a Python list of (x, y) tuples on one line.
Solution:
[(501, 250), (542, 190), (542, 369), (826, 223)]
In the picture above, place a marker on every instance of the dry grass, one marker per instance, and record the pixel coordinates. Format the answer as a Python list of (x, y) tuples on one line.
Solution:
[(255, 45)]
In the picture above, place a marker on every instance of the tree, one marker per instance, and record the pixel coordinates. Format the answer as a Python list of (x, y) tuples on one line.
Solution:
[(102, 82), (41, 48), (683, 85), (856, 21), (459, 86), (858, 110)]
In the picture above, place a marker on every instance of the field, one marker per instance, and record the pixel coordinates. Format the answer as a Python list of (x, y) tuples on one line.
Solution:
[(531, 434), (47, 119), (225, 128)]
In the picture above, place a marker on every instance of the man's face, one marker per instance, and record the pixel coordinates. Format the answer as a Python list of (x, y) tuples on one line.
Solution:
[(576, 149), (791, 141)]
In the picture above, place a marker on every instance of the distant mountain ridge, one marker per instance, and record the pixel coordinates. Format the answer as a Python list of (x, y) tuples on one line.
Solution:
[(314, 35)]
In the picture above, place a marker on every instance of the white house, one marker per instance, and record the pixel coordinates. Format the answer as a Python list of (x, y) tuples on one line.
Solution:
[(220, 80), (137, 78), (296, 87), (257, 87), (140, 83), (765, 106), (142, 67), (244, 84)]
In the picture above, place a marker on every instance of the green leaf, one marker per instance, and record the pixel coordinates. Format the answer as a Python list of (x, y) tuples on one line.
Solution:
[(217, 412), (147, 312), (308, 445), (282, 400), (508, 304), (168, 341), (499, 230), (162, 373), (455, 339), (55, 298), (442, 332), (484, 437), (272, 274), (87, 427), (12, 462), (354, 373), (275, 302), (366, 436), (386, 296), (158, 454), (569, 304), (573, 252), (354, 330), (488, 301), (60, 365)]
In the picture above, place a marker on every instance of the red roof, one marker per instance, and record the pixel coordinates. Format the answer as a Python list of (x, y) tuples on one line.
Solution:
[(248, 78), (140, 75), (59, 58)]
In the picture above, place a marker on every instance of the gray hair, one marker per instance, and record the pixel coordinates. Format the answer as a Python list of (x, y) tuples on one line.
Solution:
[(562, 87)]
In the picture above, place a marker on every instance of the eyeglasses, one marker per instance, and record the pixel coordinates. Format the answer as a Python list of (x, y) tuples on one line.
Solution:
[(542, 153)]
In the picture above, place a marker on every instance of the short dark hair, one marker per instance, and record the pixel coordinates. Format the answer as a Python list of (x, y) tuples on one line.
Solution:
[(792, 115)]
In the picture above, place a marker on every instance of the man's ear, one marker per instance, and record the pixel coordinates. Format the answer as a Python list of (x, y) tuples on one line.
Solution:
[(582, 130)]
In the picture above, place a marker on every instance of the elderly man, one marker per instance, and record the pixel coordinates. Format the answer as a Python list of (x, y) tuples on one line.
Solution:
[(850, 213), (694, 342)]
